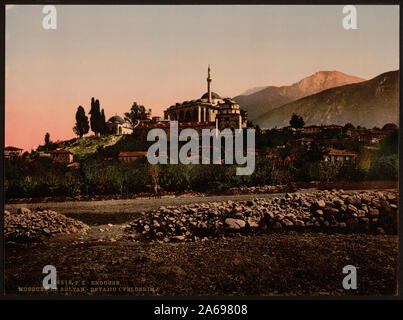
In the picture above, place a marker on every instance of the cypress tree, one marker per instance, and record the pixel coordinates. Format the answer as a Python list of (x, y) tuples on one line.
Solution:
[(82, 125), (102, 122), (47, 138), (95, 120)]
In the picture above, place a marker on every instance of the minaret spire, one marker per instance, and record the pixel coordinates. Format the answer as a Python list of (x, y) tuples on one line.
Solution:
[(208, 85)]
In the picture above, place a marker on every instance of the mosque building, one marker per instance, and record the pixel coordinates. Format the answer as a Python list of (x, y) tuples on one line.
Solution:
[(210, 110)]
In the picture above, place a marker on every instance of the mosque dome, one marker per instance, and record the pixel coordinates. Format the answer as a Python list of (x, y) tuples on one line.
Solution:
[(116, 119), (213, 95)]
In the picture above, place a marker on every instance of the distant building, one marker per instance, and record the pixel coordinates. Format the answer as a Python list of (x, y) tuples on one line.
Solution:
[(12, 153), (117, 125), (302, 142), (312, 129), (334, 128), (367, 136), (132, 155), (338, 155), (62, 155)]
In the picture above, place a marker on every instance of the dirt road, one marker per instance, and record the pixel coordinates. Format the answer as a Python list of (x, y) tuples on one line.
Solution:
[(138, 205)]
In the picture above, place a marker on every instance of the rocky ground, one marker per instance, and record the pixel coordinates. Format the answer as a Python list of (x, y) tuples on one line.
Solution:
[(25, 225), (323, 210), (290, 244)]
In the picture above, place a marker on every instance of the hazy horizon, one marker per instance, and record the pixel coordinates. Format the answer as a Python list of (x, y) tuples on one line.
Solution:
[(158, 55)]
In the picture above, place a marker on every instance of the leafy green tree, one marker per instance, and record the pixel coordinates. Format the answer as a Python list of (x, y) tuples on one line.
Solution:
[(296, 121), (82, 125), (137, 112), (390, 144), (329, 170)]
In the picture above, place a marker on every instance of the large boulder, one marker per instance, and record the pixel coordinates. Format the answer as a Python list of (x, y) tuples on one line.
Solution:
[(234, 224)]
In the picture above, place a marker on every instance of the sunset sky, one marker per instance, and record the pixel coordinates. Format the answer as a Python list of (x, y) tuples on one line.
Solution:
[(158, 55)]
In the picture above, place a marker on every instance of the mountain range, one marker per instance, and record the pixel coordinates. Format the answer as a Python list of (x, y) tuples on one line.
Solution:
[(258, 100), (367, 103)]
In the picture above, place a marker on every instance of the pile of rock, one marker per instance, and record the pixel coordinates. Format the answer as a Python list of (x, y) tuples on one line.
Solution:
[(33, 226), (322, 210), (262, 189)]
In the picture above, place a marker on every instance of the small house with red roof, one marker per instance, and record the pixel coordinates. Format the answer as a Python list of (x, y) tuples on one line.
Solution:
[(62, 155), (132, 155), (12, 153), (338, 155)]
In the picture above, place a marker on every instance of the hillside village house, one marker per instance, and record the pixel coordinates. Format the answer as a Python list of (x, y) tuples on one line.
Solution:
[(312, 129), (334, 127), (12, 153), (132, 155), (302, 142), (333, 155), (62, 155), (368, 136)]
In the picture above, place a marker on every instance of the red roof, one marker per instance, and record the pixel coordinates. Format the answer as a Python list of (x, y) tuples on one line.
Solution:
[(133, 154), (303, 139), (336, 152), (11, 148), (73, 165), (61, 151)]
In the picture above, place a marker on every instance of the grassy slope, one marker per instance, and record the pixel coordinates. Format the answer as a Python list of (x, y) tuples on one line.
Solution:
[(88, 145)]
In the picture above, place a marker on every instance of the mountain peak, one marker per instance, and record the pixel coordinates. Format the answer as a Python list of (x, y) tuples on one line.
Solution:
[(370, 103), (323, 80), (257, 101)]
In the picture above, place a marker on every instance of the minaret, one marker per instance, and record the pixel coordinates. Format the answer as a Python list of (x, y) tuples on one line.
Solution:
[(210, 100)]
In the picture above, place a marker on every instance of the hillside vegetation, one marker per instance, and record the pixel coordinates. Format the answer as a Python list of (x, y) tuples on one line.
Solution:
[(81, 147)]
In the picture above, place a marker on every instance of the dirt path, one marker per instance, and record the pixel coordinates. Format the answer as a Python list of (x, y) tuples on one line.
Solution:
[(139, 205), (131, 205)]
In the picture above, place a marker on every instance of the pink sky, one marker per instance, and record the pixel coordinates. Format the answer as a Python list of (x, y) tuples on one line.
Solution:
[(158, 55)]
